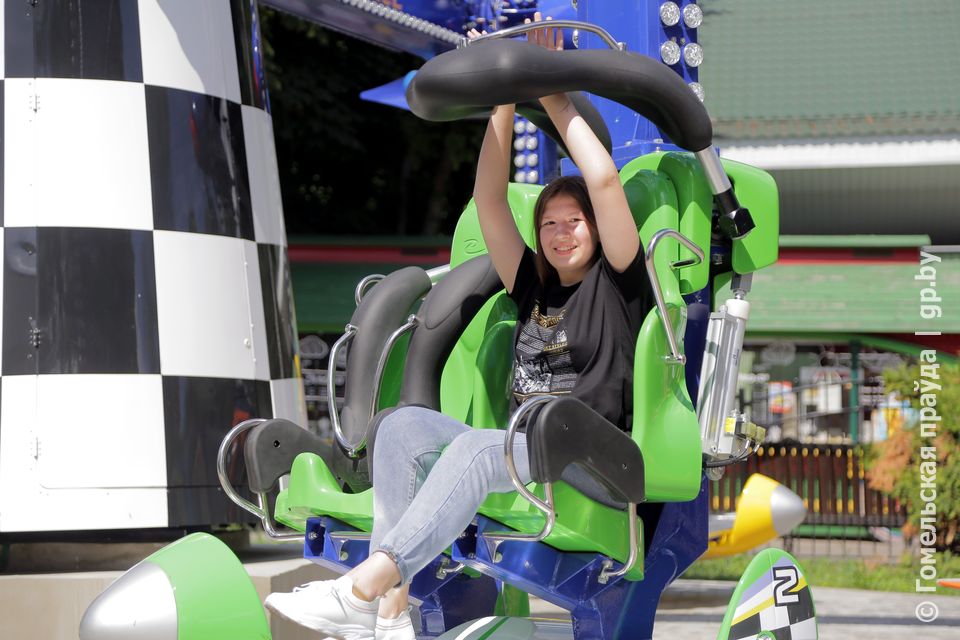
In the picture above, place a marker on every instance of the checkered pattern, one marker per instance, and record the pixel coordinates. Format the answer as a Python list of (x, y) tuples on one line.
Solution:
[(147, 303)]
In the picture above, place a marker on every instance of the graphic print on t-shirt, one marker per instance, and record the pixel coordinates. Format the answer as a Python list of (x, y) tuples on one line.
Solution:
[(543, 363)]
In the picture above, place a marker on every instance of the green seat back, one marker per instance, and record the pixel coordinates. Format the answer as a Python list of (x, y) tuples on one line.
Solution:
[(694, 205)]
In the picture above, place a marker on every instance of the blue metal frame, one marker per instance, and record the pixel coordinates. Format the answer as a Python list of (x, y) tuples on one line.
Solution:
[(447, 597), (618, 609)]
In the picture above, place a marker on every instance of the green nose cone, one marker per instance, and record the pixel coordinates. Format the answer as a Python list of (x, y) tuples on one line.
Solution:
[(193, 589)]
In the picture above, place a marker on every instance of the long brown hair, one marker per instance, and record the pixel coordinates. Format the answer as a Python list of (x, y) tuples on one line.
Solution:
[(575, 187)]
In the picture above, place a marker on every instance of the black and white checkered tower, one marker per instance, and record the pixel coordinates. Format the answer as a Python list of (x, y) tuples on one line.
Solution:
[(146, 292)]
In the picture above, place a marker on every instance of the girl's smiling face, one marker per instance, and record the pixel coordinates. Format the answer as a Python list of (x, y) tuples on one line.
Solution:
[(567, 238)]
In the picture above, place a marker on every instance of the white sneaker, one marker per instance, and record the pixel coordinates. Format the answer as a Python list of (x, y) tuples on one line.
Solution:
[(329, 607), (400, 628)]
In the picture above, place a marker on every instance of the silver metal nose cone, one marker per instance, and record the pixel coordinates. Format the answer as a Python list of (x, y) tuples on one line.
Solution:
[(140, 605), (786, 509)]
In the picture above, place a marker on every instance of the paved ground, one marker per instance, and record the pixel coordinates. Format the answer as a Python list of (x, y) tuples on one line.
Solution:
[(690, 609), (693, 609)]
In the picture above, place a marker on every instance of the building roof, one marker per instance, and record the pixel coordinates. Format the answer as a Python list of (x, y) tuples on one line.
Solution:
[(831, 69), (855, 296), (854, 241), (853, 284)]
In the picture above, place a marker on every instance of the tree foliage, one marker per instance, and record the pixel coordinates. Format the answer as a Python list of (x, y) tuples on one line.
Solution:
[(895, 463), (348, 166)]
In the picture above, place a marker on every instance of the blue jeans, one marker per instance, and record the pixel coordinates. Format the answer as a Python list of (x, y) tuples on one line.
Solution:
[(430, 474)]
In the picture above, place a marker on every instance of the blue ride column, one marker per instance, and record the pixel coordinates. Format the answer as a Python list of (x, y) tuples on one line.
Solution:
[(675, 533), (665, 31)]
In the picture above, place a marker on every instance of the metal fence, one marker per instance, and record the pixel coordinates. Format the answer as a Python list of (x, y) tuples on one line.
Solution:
[(849, 411), (844, 515)]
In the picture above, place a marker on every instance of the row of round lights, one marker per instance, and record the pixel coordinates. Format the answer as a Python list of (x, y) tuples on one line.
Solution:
[(526, 159), (692, 53), (670, 15)]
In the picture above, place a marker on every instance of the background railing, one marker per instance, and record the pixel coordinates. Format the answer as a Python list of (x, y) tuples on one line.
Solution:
[(844, 515)]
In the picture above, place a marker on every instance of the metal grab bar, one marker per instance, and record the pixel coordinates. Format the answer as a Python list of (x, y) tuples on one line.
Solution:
[(546, 507), (228, 439), (348, 333), (353, 450), (675, 356), (259, 510), (549, 24), (632, 556), (268, 525), (411, 324), (364, 284)]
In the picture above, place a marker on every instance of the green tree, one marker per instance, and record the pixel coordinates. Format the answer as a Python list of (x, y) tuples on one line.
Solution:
[(348, 166), (895, 463)]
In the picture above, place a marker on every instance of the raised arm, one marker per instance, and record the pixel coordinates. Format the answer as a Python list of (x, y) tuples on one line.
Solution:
[(618, 232), (500, 233)]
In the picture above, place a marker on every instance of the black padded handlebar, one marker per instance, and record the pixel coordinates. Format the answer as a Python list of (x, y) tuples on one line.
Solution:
[(458, 84), (534, 112), (567, 431), (444, 314), (381, 311)]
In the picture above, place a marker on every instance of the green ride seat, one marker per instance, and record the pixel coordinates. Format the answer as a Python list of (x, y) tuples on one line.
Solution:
[(665, 191), (583, 524)]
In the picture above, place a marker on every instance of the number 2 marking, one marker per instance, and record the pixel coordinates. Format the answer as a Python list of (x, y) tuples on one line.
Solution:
[(785, 578)]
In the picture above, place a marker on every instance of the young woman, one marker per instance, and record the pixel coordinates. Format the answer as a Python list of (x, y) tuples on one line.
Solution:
[(581, 300)]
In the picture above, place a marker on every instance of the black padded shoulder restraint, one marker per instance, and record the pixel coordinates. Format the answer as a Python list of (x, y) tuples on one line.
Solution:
[(384, 308), (460, 83), (443, 316), (567, 431)]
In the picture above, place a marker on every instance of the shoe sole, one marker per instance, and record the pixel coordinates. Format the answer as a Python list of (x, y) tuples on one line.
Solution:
[(332, 629)]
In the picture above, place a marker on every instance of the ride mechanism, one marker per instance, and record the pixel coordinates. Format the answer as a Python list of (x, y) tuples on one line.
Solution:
[(443, 339)]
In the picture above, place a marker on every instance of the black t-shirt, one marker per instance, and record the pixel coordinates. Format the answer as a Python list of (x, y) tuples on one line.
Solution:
[(580, 340)]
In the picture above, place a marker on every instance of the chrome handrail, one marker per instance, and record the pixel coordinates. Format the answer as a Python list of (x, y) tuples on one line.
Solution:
[(228, 489), (260, 510), (349, 332), (269, 527), (632, 556), (545, 506), (411, 324), (549, 24), (353, 449), (364, 283), (675, 356)]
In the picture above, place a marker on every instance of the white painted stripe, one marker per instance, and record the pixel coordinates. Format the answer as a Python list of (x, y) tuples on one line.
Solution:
[(264, 177), (804, 630), (205, 303), (764, 594), (18, 450), (255, 312), (115, 420), (817, 154), (19, 152), (288, 400), (27, 505), (189, 45), (81, 159)]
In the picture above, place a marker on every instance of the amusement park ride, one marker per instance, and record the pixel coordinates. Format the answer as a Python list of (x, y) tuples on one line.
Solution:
[(442, 339)]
